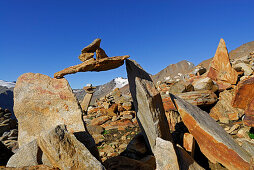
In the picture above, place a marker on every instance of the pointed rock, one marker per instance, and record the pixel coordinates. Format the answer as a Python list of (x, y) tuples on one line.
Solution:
[(64, 151), (165, 155), (93, 65), (221, 68), (148, 104), (41, 103), (91, 48), (213, 140)]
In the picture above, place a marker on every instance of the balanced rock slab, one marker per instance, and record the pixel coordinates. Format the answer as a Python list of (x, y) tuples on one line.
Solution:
[(148, 104), (103, 64), (41, 103), (64, 151), (91, 48), (221, 68), (213, 140)]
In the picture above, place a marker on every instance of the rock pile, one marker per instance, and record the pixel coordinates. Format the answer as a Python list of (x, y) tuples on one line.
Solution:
[(8, 130), (204, 121)]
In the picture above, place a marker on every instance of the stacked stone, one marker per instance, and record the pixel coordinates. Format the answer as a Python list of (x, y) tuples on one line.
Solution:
[(8, 130)]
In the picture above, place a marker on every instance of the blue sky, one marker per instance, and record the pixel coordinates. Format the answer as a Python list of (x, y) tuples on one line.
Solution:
[(46, 36)]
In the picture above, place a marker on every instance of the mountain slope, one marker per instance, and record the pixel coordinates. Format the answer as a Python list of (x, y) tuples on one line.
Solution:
[(174, 71)]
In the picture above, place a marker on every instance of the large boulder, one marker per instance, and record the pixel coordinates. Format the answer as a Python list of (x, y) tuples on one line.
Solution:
[(41, 103), (220, 68), (32, 154), (64, 151), (243, 98), (213, 140), (148, 104)]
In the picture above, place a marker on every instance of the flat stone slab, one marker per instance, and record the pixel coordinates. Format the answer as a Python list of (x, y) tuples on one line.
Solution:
[(148, 104), (213, 140), (103, 64)]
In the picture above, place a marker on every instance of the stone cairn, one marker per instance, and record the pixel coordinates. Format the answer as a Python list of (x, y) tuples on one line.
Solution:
[(166, 125)]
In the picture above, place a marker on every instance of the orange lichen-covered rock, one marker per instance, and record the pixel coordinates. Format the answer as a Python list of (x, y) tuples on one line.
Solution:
[(213, 140), (41, 103), (244, 93), (221, 68)]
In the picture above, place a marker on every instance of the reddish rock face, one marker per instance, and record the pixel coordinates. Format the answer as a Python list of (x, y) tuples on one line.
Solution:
[(249, 115), (244, 93), (213, 140), (119, 124), (243, 99), (221, 68)]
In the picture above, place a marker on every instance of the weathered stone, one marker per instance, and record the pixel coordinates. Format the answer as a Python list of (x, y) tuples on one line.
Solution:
[(214, 142), (249, 147), (189, 142), (203, 83), (222, 85), (42, 103), (64, 151), (199, 98), (99, 120), (91, 48), (180, 87), (93, 65), (249, 115), (86, 101), (127, 106), (223, 108), (124, 163), (119, 124), (244, 93), (245, 67), (28, 155), (35, 167), (243, 98), (94, 129), (165, 155), (185, 160), (100, 54), (221, 68), (150, 160), (148, 104), (85, 56)]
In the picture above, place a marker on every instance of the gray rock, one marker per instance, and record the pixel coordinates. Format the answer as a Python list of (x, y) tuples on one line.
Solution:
[(148, 104), (165, 155), (25, 156)]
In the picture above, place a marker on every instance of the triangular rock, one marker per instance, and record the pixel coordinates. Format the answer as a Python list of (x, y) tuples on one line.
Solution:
[(221, 68)]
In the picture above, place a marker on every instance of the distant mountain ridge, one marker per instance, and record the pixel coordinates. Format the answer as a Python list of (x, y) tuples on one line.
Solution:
[(6, 95), (174, 71)]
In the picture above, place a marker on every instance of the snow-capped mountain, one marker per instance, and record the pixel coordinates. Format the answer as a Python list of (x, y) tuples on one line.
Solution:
[(120, 82), (7, 84)]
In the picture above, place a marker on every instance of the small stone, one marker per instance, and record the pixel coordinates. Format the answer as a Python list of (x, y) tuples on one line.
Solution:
[(85, 56)]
